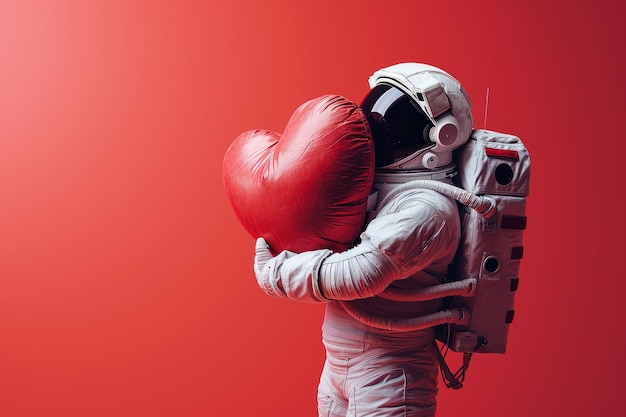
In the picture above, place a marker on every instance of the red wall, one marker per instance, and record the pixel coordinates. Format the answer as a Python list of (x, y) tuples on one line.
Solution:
[(126, 286)]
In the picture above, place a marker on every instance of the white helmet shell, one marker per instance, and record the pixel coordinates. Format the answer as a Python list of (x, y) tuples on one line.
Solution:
[(441, 99)]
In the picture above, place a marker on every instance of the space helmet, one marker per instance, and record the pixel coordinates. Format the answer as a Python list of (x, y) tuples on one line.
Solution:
[(418, 115)]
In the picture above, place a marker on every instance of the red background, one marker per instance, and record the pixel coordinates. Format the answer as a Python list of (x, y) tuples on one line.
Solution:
[(126, 286)]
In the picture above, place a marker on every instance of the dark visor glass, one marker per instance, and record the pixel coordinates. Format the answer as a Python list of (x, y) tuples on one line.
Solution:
[(398, 125)]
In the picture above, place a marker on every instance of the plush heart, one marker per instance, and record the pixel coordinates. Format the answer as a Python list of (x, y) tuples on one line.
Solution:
[(307, 188)]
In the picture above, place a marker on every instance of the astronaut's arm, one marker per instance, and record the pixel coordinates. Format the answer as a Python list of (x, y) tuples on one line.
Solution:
[(321, 275), (411, 234)]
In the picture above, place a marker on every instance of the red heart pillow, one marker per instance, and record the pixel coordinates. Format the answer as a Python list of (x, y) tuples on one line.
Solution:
[(307, 188)]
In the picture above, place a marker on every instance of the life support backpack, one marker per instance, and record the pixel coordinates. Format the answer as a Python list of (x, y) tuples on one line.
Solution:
[(497, 166)]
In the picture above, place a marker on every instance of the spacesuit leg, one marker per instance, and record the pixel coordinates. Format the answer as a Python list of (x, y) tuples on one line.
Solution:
[(379, 383), (401, 383)]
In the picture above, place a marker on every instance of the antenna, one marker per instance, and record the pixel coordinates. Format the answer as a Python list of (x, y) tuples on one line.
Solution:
[(486, 108)]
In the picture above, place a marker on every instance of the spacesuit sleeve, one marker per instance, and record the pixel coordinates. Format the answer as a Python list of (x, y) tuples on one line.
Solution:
[(395, 245), (321, 276), (415, 233)]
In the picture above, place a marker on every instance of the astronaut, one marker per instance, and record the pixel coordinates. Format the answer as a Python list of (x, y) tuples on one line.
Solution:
[(378, 344)]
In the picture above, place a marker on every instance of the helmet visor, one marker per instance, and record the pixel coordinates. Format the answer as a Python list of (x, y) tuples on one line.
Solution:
[(399, 127)]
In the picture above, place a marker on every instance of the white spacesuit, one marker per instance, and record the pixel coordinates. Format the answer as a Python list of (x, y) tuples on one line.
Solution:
[(378, 356)]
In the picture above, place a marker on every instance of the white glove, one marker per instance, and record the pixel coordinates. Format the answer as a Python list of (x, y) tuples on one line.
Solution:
[(300, 284), (264, 265)]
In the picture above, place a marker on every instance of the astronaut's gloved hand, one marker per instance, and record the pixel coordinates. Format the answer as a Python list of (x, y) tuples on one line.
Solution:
[(263, 268), (300, 283)]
